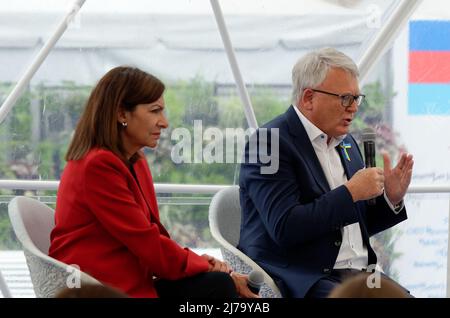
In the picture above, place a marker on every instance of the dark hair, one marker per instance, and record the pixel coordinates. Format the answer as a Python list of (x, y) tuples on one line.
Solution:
[(124, 88)]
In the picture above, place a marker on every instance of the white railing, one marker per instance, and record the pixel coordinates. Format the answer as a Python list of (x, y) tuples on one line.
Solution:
[(181, 188), (159, 187)]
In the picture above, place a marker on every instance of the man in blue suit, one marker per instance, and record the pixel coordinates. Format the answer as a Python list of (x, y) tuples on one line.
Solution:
[(308, 222)]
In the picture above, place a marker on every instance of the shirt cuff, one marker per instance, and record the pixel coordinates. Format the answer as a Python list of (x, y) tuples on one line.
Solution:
[(395, 208)]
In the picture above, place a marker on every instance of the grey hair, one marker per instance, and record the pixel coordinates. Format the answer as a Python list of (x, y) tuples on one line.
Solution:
[(312, 69)]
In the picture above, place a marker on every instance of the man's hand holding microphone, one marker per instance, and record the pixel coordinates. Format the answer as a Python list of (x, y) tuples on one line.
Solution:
[(370, 183)]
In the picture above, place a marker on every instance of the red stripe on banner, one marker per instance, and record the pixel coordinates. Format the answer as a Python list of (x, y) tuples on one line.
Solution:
[(429, 67)]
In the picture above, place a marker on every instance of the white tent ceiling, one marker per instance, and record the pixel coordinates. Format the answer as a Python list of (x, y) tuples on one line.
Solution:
[(178, 39)]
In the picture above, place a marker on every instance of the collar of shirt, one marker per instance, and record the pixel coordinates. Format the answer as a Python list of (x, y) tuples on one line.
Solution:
[(317, 136)]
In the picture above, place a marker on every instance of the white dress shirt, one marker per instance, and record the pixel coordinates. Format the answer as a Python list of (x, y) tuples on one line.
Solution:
[(352, 253)]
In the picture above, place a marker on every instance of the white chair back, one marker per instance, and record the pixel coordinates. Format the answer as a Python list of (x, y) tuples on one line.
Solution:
[(32, 222)]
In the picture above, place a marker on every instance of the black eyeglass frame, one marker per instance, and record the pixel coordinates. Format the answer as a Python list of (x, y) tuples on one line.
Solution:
[(345, 98)]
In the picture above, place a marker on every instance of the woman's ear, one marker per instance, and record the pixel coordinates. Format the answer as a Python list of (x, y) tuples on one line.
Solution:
[(121, 116)]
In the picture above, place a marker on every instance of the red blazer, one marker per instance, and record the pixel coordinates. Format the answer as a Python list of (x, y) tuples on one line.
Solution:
[(110, 228)]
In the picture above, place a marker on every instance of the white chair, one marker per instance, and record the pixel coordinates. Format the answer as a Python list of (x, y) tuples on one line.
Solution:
[(32, 222), (225, 223)]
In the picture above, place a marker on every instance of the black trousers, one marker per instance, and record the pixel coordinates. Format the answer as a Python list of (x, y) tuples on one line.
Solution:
[(204, 285)]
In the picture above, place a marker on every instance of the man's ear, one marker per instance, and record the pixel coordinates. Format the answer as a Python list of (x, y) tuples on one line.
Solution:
[(306, 99)]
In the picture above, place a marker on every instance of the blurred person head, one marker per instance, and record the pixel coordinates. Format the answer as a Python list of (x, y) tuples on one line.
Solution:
[(326, 90), (358, 287), (124, 113), (91, 291)]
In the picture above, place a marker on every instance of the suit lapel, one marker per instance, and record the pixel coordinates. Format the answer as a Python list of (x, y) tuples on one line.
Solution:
[(350, 157), (344, 160), (306, 149)]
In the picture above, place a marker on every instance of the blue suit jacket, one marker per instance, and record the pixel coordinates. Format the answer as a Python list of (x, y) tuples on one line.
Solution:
[(291, 221)]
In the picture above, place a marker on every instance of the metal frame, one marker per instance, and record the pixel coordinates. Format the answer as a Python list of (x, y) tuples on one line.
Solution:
[(386, 35), (243, 92), (382, 40), (38, 60), (184, 188), (159, 187)]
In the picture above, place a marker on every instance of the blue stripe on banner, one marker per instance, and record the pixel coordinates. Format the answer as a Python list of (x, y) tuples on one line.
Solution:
[(430, 35), (429, 99)]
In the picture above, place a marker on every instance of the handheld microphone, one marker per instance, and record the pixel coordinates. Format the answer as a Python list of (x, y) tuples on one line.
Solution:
[(368, 138), (255, 281)]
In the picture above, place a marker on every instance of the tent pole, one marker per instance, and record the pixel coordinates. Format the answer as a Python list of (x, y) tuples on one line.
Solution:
[(386, 35), (243, 93), (39, 59)]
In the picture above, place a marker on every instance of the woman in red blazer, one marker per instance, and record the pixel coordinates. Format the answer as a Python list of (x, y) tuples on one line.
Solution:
[(107, 218)]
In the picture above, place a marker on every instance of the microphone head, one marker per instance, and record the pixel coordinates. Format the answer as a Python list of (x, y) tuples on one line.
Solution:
[(368, 134), (256, 278)]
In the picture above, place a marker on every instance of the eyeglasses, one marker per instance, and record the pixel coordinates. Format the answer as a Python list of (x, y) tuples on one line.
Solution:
[(346, 99)]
